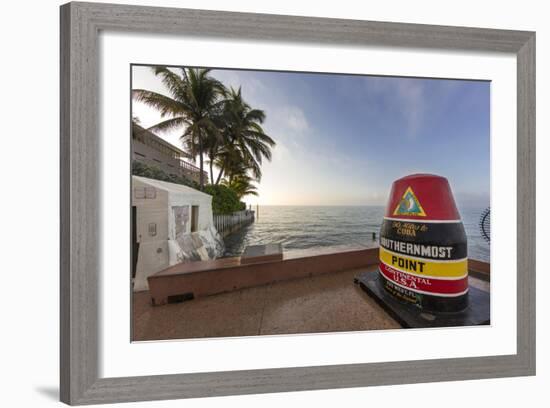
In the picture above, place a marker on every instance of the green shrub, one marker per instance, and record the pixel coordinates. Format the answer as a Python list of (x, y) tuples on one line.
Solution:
[(144, 170), (224, 200)]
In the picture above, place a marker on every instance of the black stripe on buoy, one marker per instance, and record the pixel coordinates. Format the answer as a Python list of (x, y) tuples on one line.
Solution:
[(425, 302)]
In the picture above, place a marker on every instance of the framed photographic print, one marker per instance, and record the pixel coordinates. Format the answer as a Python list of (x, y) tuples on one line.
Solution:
[(260, 203)]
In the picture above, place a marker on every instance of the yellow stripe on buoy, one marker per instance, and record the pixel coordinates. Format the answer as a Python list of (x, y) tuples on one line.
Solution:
[(425, 267)]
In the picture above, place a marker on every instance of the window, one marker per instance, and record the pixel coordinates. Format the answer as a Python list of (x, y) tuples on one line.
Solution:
[(181, 216)]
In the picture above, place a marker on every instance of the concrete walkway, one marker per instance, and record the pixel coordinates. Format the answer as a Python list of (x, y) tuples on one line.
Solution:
[(324, 303)]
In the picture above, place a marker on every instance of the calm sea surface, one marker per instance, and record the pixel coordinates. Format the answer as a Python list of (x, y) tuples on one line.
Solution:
[(305, 227)]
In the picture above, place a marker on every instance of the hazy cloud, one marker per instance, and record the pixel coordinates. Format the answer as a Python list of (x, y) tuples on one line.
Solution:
[(287, 122), (403, 98)]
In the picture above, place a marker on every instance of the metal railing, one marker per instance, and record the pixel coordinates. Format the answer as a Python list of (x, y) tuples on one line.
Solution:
[(193, 169), (227, 223)]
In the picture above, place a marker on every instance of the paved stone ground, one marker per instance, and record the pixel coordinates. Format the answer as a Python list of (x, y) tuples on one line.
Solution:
[(324, 303)]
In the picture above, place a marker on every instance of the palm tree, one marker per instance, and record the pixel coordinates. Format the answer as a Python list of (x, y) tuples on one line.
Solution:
[(242, 185), (244, 142), (195, 99)]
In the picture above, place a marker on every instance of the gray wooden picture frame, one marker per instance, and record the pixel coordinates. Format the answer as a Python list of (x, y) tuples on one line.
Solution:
[(80, 25)]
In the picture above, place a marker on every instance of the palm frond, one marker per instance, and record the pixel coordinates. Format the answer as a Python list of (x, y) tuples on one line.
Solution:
[(164, 104), (172, 81), (169, 124)]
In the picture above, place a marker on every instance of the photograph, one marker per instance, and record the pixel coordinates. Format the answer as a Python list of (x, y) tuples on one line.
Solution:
[(275, 203), (279, 203)]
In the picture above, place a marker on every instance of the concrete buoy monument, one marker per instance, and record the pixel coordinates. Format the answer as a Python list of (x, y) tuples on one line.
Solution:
[(423, 248), (422, 276)]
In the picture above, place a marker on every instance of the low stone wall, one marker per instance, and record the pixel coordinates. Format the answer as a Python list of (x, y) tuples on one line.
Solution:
[(195, 279)]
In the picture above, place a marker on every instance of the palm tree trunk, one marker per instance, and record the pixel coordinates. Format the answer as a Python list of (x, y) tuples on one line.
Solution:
[(211, 168), (220, 174), (201, 162)]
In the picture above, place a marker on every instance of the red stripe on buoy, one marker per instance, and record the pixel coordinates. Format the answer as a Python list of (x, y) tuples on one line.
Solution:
[(432, 286), (422, 197)]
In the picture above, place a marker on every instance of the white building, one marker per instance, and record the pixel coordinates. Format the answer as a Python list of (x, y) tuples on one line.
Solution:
[(149, 149), (169, 221)]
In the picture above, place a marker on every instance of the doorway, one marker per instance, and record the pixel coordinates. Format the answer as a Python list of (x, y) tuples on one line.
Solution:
[(194, 218)]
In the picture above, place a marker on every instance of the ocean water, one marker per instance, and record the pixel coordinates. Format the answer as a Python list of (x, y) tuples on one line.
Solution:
[(318, 227)]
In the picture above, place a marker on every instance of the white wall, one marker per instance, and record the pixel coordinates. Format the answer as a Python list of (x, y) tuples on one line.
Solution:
[(151, 210), (30, 250)]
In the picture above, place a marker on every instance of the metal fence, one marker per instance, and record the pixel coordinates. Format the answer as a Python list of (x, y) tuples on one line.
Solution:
[(227, 223), (192, 171)]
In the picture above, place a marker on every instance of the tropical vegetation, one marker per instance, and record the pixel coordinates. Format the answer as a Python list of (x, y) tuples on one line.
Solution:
[(153, 172), (217, 125), (241, 184), (224, 199)]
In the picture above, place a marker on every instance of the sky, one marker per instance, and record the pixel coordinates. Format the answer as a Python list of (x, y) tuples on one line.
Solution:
[(343, 139)]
